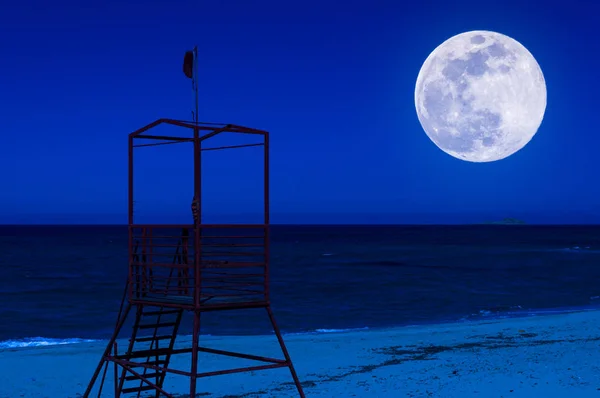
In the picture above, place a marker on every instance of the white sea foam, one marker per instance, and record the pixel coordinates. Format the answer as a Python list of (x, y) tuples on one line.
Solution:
[(40, 342), (321, 331), (339, 330)]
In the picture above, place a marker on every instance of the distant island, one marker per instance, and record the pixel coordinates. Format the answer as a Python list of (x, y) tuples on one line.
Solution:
[(506, 221)]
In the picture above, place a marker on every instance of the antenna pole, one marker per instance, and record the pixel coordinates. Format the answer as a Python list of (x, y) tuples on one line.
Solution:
[(195, 84)]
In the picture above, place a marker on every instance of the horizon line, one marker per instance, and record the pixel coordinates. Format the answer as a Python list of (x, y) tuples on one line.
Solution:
[(493, 224)]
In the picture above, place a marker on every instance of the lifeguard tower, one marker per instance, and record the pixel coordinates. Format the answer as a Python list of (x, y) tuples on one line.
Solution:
[(194, 267)]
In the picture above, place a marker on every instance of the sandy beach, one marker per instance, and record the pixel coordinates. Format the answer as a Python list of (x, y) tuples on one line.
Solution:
[(541, 356)]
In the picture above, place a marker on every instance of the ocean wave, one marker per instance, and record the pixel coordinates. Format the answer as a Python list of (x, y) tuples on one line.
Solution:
[(381, 263), (579, 249), (323, 331), (340, 330), (571, 249), (403, 264), (46, 341), (40, 342), (517, 312)]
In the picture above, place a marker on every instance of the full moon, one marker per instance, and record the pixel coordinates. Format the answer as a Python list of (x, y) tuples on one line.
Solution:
[(480, 96)]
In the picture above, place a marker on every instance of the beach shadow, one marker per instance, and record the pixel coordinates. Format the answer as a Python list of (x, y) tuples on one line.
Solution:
[(403, 354)]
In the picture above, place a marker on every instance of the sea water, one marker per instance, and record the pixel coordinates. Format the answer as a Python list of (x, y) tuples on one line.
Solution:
[(64, 284)]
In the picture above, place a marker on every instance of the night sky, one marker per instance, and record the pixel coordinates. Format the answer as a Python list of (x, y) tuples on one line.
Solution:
[(332, 81)]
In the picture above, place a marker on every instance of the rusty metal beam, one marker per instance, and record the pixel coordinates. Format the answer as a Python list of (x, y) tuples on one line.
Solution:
[(163, 137), (231, 146), (162, 143)]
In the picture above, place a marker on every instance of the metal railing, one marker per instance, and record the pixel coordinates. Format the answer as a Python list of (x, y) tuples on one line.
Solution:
[(203, 265)]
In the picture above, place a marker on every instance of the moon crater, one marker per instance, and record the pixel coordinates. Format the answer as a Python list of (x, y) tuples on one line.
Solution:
[(480, 96)]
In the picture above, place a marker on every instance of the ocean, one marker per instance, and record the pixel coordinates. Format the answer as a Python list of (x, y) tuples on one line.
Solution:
[(63, 284)]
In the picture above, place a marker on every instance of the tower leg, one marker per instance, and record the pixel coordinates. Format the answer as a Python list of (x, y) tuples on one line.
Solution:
[(285, 352), (195, 338), (109, 346)]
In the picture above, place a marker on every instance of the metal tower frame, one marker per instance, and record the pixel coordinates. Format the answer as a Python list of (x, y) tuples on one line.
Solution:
[(214, 267)]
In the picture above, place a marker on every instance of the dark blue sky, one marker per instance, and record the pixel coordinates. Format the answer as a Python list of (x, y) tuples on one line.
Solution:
[(332, 81)]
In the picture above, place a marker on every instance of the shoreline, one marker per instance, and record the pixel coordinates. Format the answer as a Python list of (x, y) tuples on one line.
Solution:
[(41, 341), (549, 355)]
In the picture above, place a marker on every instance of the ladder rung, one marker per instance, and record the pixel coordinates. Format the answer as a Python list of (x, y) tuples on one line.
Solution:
[(157, 325), (160, 312), (147, 376), (146, 353), (152, 338), (137, 389)]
